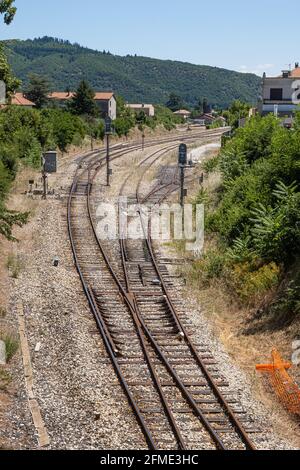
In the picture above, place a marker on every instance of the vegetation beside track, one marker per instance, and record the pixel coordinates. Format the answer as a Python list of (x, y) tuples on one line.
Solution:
[(253, 220)]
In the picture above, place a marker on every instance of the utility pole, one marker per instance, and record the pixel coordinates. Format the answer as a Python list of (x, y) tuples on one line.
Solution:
[(182, 159), (108, 133), (44, 177), (143, 141), (182, 192)]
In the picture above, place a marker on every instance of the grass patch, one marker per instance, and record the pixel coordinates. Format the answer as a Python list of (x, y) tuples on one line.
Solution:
[(11, 344), (14, 265)]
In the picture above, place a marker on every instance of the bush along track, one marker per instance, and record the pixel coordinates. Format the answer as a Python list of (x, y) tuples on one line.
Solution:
[(253, 220)]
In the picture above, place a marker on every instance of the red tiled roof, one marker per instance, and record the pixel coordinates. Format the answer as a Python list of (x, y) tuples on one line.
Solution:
[(104, 95), (58, 95), (296, 73), (20, 100)]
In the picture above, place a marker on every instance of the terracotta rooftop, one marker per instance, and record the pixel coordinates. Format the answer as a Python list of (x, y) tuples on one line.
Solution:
[(20, 100), (296, 73), (182, 111), (61, 95)]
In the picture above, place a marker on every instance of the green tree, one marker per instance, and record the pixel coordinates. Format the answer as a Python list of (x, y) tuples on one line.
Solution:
[(83, 101), (6, 75), (235, 112), (175, 102), (95, 129), (37, 90), (8, 9)]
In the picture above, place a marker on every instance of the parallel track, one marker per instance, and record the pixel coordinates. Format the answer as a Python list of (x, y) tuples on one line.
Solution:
[(170, 384)]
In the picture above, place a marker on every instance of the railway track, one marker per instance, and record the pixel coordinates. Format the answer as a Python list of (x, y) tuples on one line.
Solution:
[(179, 398)]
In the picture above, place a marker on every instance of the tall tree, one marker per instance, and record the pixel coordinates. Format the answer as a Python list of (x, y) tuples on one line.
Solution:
[(8, 9), (37, 90), (8, 218), (6, 75), (175, 102), (83, 101)]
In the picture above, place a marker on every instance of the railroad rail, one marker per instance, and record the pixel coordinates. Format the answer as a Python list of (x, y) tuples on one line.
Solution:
[(179, 398)]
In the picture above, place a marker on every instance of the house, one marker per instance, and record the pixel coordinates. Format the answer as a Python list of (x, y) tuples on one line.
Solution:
[(105, 100), (281, 95), (148, 109), (107, 103), (208, 119), (19, 99), (184, 113)]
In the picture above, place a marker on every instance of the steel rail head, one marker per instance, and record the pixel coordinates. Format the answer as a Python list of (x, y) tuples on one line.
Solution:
[(100, 323), (233, 418)]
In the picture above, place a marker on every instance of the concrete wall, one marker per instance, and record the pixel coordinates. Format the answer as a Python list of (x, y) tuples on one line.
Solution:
[(108, 107), (284, 83)]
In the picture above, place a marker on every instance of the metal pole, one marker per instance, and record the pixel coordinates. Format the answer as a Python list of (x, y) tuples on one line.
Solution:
[(44, 176), (182, 185), (143, 142), (107, 160)]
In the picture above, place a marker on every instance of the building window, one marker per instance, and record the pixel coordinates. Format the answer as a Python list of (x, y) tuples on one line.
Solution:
[(276, 94)]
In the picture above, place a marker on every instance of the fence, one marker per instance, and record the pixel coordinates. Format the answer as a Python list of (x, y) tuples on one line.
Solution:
[(284, 386)]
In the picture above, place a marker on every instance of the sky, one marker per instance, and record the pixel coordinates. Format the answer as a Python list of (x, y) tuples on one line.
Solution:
[(248, 36)]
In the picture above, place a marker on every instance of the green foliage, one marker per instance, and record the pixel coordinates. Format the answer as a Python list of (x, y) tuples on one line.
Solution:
[(10, 218), (126, 118), (5, 180), (6, 75), (83, 101), (250, 283), (241, 251), (175, 102), (165, 117), (65, 127), (211, 266), (286, 305), (236, 111), (11, 344), (95, 128), (257, 219), (8, 9), (276, 230), (202, 197), (37, 90), (138, 79), (211, 165)]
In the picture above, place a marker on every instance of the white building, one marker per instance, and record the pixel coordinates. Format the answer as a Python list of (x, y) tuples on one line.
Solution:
[(281, 95), (148, 109)]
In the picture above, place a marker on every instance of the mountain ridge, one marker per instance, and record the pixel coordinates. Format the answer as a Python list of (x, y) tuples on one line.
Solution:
[(136, 78)]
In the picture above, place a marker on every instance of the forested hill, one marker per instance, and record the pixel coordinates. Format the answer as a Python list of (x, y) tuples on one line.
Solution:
[(138, 79)]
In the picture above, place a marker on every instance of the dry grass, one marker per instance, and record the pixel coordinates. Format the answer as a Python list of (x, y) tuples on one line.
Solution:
[(14, 265), (11, 344), (5, 379)]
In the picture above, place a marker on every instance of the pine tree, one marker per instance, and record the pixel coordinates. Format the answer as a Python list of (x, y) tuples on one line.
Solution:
[(37, 90), (83, 101)]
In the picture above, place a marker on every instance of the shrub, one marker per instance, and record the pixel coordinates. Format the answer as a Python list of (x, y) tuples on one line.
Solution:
[(15, 265), (212, 164), (250, 284), (210, 267), (11, 344)]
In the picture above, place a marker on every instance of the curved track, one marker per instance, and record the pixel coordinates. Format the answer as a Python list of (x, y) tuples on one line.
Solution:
[(179, 398)]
